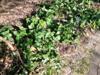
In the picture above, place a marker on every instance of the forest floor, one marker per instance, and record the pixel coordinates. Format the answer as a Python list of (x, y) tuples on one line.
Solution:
[(87, 52)]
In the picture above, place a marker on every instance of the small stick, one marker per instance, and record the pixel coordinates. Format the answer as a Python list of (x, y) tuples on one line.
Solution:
[(12, 47)]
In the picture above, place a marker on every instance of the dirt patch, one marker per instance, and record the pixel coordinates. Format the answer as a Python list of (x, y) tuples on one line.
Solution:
[(84, 58), (93, 43), (14, 15), (75, 59)]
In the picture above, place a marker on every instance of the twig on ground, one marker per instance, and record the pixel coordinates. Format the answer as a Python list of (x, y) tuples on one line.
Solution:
[(12, 47)]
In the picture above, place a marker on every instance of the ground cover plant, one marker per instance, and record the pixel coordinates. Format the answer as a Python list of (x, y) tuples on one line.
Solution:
[(60, 21)]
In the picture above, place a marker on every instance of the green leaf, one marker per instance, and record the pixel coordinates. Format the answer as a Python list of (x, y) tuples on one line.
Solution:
[(42, 23)]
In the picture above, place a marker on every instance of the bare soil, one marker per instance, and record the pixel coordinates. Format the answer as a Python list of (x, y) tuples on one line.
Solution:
[(94, 45), (12, 16)]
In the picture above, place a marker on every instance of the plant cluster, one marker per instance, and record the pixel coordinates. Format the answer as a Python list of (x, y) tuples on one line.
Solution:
[(58, 21)]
